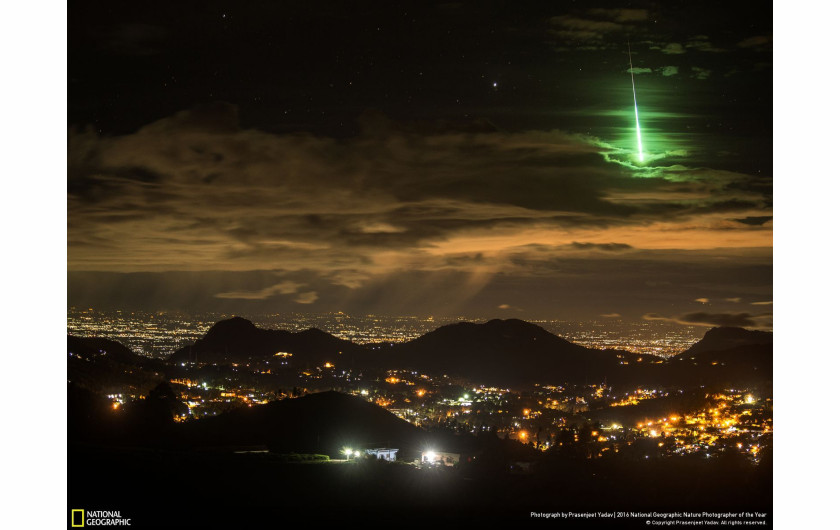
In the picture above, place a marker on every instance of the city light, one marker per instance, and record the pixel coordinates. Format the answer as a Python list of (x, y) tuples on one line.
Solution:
[(721, 422), (429, 457)]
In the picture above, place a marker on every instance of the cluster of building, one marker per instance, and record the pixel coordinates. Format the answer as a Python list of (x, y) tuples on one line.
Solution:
[(736, 420), (543, 416), (551, 416), (203, 400)]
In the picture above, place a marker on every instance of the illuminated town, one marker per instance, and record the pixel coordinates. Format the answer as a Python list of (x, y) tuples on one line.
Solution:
[(546, 417), (596, 420)]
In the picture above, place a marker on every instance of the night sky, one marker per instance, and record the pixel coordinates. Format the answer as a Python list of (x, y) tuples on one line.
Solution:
[(423, 158)]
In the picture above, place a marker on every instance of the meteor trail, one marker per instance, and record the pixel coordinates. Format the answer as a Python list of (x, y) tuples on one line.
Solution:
[(635, 106)]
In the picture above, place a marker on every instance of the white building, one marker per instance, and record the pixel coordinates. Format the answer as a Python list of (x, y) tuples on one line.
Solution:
[(383, 453)]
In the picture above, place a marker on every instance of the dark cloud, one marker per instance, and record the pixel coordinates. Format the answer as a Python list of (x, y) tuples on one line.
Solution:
[(621, 15), (588, 28), (593, 28), (741, 320), (609, 247), (719, 319), (673, 48), (700, 73), (282, 288), (703, 44), (755, 221)]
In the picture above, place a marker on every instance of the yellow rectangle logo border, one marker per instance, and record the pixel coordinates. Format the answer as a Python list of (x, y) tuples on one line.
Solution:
[(73, 519)]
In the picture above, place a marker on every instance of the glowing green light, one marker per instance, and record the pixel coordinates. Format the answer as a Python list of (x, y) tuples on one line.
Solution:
[(636, 108), (638, 129)]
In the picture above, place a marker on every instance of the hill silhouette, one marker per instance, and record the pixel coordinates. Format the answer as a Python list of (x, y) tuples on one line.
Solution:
[(238, 339), (747, 364), (726, 355), (502, 352), (499, 352), (511, 351), (323, 422), (106, 366), (94, 348), (727, 338)]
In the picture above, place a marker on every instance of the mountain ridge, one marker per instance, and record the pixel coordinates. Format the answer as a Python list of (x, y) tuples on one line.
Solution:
[(726, 338), (498, 352), (238, 339)]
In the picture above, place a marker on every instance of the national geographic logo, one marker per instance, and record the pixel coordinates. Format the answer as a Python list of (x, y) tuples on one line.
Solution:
[(82, 518)]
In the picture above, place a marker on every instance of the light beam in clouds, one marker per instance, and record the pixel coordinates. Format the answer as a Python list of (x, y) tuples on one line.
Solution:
[(635, 107)]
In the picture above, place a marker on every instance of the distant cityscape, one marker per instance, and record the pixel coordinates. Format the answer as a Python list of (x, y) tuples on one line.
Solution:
[(159, 334)]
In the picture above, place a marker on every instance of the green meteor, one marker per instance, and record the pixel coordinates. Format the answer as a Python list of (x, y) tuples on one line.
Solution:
[(635, 106)]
